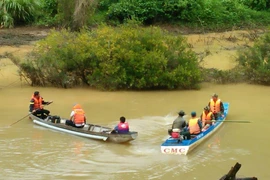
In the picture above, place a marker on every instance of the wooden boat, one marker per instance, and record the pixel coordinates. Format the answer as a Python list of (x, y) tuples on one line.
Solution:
[(172, 146), (90, 131)]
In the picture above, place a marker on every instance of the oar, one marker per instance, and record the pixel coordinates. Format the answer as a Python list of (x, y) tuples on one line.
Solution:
[(29, 114), (20, 119)]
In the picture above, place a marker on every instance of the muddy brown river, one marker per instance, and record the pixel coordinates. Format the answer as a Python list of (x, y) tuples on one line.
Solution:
[(29, 151)]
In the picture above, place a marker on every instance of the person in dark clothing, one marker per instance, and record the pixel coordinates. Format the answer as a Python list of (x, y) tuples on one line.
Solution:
[(179, 122), (36, 106), (178, 125)]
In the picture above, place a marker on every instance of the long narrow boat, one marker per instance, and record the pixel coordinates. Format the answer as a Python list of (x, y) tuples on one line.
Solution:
[(172, 146), (90, 131)]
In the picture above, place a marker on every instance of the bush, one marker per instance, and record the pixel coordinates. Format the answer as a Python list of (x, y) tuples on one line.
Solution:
[(208, 14), (47, 14), (255, 61), (127, 57), (14, 12)]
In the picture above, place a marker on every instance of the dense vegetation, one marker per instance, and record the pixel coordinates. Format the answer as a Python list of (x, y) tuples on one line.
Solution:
[(128, 56), (207, 14), (255, 61)]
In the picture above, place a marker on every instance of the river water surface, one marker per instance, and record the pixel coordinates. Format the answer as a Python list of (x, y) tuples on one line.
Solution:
[(32, 152)]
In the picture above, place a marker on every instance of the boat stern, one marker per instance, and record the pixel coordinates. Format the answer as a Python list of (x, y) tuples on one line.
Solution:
[(176, 150)]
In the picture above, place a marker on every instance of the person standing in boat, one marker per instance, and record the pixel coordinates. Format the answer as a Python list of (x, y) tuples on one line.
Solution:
[(194, 126), (178, 125), (77, 117), (216, 106), (207, 118), (122, 127), (36, 106)]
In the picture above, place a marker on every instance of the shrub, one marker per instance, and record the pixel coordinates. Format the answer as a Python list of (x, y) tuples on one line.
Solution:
[(13, 12), (208, 14), (127, 57), (255, 61)]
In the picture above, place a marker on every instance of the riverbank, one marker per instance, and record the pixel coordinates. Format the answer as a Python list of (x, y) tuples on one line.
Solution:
[(215, 51)]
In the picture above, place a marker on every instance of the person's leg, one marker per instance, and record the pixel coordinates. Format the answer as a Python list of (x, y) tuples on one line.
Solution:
[(38, 113), (186, 134), (70, 123), (46, 113)]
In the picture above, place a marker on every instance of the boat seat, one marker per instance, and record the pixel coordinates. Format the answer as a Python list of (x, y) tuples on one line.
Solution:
[(90, 128)]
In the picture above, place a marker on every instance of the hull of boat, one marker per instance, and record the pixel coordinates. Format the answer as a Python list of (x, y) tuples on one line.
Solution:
[(90, 131), (172, 146)]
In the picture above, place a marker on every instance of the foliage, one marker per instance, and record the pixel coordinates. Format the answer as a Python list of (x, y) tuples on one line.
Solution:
[(204, 13), (74, 14), (214, 75), (145, 11), (47, 13), (17, 12), (255, 61), (126, 57), (258, 5)]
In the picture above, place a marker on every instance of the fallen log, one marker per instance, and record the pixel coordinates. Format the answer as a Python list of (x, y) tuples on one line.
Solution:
[(231, 175)]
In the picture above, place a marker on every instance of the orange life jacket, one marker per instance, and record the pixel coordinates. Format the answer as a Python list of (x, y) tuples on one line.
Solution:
[(194, 127), (207, 117), (79, 114), (37, 102), (215, 106)]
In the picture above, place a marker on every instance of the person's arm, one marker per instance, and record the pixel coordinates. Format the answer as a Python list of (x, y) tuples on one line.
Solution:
[(212, 117), (45, 102), (221, 108), (200, 124), (71, 115), (31, 106), (116, 128), (184, 124)]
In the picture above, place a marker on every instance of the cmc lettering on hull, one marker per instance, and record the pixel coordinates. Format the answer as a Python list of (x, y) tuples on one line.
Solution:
[(174, 150)]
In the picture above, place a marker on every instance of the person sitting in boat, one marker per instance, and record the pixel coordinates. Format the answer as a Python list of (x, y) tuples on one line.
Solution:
[(122, 127), (216, 106), (207, 118), (194, 126), (77, 117), (178, 125), (36, 106)]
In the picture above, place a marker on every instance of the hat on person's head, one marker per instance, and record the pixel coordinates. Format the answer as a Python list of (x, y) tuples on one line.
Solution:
[(36, 93), (181, 113), (77, 106), (193, 113), (207, 108), (214, 95)]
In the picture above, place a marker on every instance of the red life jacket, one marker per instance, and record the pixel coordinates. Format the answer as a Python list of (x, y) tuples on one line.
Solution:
[(79, 116), (37, 102), (123, 127)]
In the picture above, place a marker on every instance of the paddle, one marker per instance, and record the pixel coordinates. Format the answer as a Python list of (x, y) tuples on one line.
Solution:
[(29, 114), (20, 119)]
